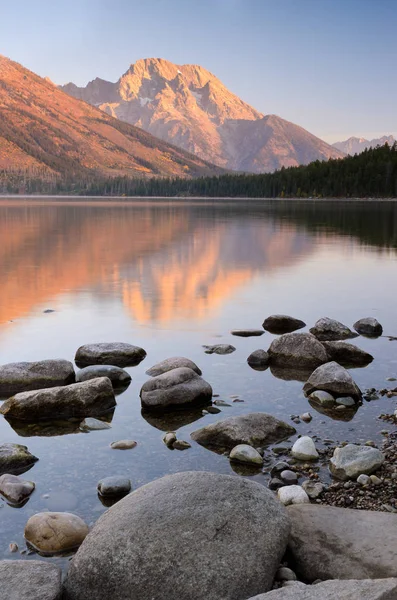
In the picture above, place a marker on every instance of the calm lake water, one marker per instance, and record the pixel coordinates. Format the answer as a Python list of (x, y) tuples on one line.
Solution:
[(171, 276)]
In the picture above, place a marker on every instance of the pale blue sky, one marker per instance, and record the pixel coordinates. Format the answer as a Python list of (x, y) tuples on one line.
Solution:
[(327, 65)]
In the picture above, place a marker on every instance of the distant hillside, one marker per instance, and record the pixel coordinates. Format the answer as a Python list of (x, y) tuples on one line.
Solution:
[(45, 133), (356, 145), (188, 106)]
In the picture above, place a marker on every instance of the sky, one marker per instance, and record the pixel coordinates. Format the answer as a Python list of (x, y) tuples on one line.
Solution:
[(327, 65)]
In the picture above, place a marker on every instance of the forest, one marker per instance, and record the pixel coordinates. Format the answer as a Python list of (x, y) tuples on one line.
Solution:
[(373, 173)]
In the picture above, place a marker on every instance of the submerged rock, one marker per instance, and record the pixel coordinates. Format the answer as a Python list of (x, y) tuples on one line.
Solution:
[(119, 377), (55, 532), (322, 398), (282, 324), (219, 349), (117, 353), (14, 489), (327, 329), (347, 355), (179, 388), (15, 459), (25, 376), (254, 429), (369, 327), (246, 454), (297, 350), (216, 536), (91, 424), (351, 461), (30, 580), (334, 379), (172, 363), (259, 360), (123, 445), (89, 398), (247, 332)]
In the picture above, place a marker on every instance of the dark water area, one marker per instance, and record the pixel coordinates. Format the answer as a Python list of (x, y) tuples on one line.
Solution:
[(171, 277)]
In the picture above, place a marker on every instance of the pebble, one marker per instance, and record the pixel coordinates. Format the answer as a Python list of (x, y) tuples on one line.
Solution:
[(123, 445), (285, 574), (375, 480), (181, 445), (221, 403), (363, 479), (169, 438), (306, 417), (289, 477), (278, 468), (275, 484), (13, 547)]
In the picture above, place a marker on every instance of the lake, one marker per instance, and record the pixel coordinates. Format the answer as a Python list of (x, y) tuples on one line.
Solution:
[(171, 276)]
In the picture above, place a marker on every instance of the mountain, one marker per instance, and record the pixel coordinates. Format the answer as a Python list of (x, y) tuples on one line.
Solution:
[(356, 145), (45, 131), (188, 106)]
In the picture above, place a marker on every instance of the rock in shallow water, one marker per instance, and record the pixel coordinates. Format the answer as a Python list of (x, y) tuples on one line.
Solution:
[(282, 324), (259, 360), (123, 445), (292, 494), (114, 486), (91, 424), (254, 429), (367, 589), (14, 489), (246, 454), (334, 379), (313, 489), (297, 350), (180, 388), (304, 449), (25, 376), (119, 377), (15, 459), (369, 327), (219, 349), (351, 461), (85, 399), (55, 532), (347, 355), (29, 580), (247, 332), (208, 536), (172, 363), (117, 353), (327, 329)]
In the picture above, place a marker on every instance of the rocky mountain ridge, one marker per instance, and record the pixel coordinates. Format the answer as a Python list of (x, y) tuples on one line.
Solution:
[(355, 145)]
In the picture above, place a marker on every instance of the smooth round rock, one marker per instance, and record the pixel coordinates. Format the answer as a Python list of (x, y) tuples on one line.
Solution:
[(304, 449), (118, 353), (278, 324), (55, 532), (247, 332), (363, 479), (14, 489), (345, 401), (169, 438), (195, 535), (369, 326), (334, 379), (91, 424), (123, 445), (306, 417), (279, 467), (289, 477), (172, 363), (350, 461), (322, 398), (297, 350), (179, 388), (118, 376), (259, 360), (285, 574), (15, 459), (292, 494), (114, 486), (246, 454)]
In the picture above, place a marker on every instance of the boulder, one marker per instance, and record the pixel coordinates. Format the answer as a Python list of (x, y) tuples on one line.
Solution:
[(282, 324), (297, 350), (334, 379), (55, 532), (15, 459), (292, 494), (254, 429), (350, 589), (14, 489), (25, 376), (327, 329), (304, 449), (29, 580), (118, 376), (219, 349), (258, 360), (350, 461), (342, 543), (199, 535), (347, 355), (247, 332), (179, 388), (91, 424), (89, 398), (117, 353), (172, 363), (246, 454), (114, 486), (369, 327)]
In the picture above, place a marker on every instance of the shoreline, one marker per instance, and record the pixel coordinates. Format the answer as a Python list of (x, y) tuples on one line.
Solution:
[(185, 199)]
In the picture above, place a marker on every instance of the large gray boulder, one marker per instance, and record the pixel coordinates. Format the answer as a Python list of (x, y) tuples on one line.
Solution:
[(194, 535), (369, 326), (15, 459), (29, 580), (118, 376), (108, 353), (172, 363), (342, 543), (179, 388), (351, 589), (24, 376), (327, 329), (351, 460), (282, 324), (90, 398), (347, 355), (332, 378), (297, 350), (254, 429)]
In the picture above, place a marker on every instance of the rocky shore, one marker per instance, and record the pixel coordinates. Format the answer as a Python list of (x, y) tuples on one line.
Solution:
[(321, 523)]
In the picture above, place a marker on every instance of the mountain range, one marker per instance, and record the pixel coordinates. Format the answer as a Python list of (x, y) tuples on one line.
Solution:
[(188, 106), (356, 145), (47, 132)]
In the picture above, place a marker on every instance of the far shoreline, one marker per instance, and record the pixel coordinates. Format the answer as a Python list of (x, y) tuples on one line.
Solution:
[(182, 199)]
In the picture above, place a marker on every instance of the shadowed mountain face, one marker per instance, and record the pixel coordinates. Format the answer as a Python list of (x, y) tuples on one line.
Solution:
[(356, 145), (189, 107), (45, 131)]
